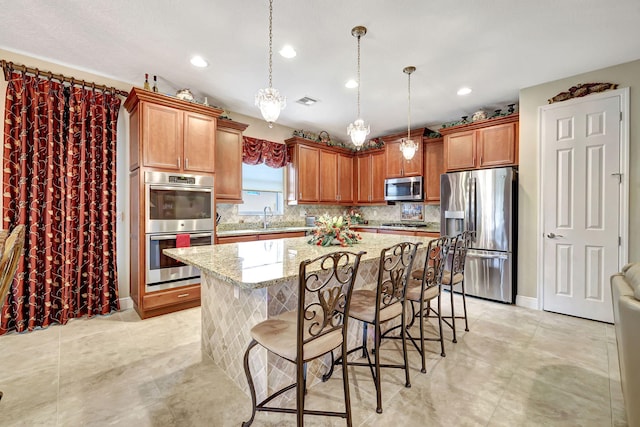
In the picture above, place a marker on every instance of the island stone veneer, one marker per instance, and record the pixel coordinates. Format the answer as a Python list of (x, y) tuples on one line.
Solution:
[(246, 283)]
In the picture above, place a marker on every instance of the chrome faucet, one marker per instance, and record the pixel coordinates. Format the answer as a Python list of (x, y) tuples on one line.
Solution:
[(267, 209)]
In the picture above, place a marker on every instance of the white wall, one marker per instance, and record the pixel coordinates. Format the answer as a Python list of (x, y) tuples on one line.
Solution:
[(625, 75)]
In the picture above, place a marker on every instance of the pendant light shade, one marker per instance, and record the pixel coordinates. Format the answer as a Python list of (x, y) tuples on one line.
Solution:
[(269, 100), (357, 130), (408, 146)]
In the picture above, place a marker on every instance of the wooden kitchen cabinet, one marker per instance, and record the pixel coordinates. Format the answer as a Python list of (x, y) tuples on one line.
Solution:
[(228, 161), (484, 144), (433, 168), (396, 165), (260, 236), (336, 177), (170, 134), (318, 173), (369, 175)]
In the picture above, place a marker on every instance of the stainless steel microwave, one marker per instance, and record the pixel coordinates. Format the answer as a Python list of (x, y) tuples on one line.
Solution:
[(403, 189)]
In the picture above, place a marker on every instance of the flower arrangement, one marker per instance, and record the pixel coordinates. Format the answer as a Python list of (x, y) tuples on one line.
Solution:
[(333, 231), (355, 216)]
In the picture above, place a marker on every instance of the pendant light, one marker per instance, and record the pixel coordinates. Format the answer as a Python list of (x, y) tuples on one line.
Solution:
[(357, 130), (408, 146), (269, 100)]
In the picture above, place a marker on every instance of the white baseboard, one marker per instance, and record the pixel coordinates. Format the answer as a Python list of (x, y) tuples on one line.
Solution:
[(527, 302), (126, 303)]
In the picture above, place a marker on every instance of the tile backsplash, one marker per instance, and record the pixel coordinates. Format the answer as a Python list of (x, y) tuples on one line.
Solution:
[(295, 215)]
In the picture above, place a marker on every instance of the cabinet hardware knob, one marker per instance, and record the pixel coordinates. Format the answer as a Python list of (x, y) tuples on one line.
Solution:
[(186, 163), (300, 195), (178, 162), (183, 295)]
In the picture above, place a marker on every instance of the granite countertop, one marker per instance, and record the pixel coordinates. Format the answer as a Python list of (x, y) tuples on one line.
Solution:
[(430, 228), (253, 265), (252, 231)]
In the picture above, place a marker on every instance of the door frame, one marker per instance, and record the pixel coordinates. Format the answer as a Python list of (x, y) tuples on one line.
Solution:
[(623, 220)]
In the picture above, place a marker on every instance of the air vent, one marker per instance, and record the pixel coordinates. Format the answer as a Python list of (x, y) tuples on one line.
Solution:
[(306, 101)]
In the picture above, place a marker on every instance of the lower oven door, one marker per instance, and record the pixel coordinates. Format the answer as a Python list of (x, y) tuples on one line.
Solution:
[(164, 272)]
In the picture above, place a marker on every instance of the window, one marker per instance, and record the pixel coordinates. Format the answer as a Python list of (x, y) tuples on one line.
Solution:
[(262, 186)]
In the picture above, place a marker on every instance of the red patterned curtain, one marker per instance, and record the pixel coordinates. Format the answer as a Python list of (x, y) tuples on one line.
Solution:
[(59, 181), (256, 151)]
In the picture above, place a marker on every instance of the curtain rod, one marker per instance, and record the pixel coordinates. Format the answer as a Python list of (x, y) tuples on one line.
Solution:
[(8, 67)]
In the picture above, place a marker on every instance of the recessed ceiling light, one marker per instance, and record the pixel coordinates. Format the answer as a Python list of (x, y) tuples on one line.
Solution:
[(464, 91), (288, 52), (306, 101), (351, 84), (198, 61)]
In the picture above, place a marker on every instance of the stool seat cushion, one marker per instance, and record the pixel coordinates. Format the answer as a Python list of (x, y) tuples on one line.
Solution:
[(363, 308), (446, 278), (278, 335), (415, 286)]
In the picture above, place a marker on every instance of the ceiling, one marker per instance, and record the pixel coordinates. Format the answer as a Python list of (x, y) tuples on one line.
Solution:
[(496, 47)]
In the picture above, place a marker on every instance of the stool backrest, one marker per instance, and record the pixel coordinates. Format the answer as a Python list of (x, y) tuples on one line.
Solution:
[(459, 246), (11, 253), (393, 273), (324, 294), (434, 262)]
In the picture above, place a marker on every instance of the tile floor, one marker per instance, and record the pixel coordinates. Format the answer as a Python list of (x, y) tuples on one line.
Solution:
[(516, 367)]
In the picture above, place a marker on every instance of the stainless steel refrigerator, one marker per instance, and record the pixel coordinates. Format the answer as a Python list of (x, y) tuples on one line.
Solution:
[(484, 201)]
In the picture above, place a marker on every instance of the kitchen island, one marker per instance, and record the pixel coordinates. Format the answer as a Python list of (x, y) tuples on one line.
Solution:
[(246, 283)]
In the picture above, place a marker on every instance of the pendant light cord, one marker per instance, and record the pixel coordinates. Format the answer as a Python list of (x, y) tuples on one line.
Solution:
[(409, 112), (358, 116), (270, 42)]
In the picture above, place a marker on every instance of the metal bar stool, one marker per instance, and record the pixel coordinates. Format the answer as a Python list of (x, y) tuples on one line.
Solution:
[(378, 306), (316, 328), (422, 289), (457, 256)]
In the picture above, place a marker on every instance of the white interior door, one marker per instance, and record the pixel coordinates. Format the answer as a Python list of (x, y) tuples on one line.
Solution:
[(581, 205)]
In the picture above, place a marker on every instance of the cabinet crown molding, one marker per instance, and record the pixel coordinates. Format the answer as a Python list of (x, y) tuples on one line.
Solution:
[(136, 95), (480, 124)]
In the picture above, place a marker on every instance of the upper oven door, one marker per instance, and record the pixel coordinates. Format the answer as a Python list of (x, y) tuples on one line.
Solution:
[(172, 208)]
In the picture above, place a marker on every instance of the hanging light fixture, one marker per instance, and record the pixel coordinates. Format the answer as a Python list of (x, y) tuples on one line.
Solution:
[(357, 130), (269, 100), (408, 146)]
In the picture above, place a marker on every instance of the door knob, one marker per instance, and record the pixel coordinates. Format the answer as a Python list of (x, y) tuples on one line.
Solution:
[(553, 236)]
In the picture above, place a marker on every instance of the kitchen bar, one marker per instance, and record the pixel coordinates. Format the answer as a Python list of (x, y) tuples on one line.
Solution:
[(245, 283)]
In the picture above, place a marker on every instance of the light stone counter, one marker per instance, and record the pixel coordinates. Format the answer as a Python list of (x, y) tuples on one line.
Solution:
[(246, 283)]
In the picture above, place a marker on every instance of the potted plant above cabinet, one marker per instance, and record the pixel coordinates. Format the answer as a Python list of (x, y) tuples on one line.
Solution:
[(482, 144)]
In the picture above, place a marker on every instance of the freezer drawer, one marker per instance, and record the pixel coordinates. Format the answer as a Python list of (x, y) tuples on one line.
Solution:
[(488, 274)]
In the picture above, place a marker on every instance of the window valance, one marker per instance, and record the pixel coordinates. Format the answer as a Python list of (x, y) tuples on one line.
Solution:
[(256, 151)]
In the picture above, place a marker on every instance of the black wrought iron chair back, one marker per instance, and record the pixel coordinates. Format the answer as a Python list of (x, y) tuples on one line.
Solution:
[(454, 275), (380, 305), (316, 328), (422, 289)]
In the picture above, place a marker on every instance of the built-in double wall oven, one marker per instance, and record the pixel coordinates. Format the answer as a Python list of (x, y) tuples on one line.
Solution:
[(178, 212)]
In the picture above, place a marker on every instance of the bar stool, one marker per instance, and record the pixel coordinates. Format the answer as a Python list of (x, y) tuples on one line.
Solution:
[(457, 256), (422, 289), (316, 328), (378, 306)]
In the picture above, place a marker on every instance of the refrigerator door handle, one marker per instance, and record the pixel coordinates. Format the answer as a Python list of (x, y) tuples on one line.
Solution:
[(472, 204)]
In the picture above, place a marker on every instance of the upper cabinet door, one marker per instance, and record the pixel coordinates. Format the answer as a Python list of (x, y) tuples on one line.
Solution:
[(413, 167), (308, 174), (433, 168), (394, 160), (328, 176), (228, 161), (460, 151), (161, 136), (199, 142), (345, 179), (363, 179), (377, 177), (497, 145)]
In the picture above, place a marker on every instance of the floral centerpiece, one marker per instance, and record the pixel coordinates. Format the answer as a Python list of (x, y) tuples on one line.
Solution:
[(355, 216), (333, 231)]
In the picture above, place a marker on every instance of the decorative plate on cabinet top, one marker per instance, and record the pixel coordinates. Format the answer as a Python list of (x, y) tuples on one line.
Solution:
[(184, 94), (478, 115)]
